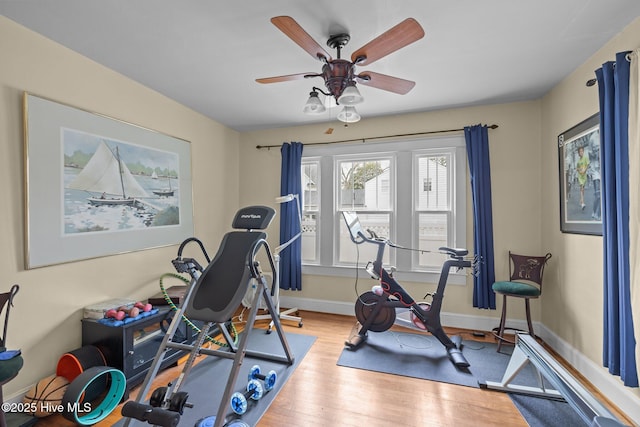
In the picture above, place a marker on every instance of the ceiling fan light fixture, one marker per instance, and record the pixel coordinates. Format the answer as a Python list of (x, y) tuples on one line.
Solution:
[(349, 115), (314, 105), (350, 95), (330, 102)]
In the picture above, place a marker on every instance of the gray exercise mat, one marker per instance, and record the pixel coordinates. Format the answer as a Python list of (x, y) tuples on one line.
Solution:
[(207, 379), (423, 356)]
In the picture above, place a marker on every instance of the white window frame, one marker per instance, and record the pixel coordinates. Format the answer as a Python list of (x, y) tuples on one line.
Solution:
[(450, 213), (363, 157), (405, 207), (316, 160)]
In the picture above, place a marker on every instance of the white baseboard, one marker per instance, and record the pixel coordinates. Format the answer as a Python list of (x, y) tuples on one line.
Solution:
[(18, 396), (607, 384), (453, 320), (321, 306)]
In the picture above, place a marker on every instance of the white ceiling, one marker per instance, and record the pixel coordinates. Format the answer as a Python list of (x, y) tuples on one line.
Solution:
[(206, 54)]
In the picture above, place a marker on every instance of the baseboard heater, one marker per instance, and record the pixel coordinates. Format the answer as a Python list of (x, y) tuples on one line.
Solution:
[(564, 385)]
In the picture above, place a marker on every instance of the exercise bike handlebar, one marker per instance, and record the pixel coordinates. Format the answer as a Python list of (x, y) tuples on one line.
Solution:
[(457, 257), (457, 253)]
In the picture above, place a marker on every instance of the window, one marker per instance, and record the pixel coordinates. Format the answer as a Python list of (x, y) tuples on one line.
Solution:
[(310, 210), (433, 207), (413, 192), (362, 184)]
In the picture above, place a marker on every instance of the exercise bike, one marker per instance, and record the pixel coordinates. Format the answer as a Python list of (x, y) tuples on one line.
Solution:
[(376, 309)]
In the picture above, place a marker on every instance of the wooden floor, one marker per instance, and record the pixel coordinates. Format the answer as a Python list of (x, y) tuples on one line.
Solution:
[(321, 393)]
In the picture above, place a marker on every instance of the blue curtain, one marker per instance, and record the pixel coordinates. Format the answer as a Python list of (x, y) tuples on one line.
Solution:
[(618, 341), (291, 183), (477, 140)]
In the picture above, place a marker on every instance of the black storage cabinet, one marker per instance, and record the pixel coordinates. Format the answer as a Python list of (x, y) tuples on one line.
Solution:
[(133, 346)]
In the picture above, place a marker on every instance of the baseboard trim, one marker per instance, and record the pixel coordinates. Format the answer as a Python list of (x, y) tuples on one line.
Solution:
[(598, 376), (481, 323)]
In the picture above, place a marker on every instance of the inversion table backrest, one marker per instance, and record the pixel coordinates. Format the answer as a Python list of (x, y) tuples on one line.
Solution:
[(224, 282), (219, 290)]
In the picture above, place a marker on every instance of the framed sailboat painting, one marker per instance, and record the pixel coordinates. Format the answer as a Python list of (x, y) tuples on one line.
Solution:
[(97, 186)]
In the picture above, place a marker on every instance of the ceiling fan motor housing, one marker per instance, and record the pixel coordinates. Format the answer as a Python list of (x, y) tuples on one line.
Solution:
[(337, 74)]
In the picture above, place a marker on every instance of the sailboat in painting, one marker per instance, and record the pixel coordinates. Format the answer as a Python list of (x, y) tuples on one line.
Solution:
[(107, 175), (165, 192)]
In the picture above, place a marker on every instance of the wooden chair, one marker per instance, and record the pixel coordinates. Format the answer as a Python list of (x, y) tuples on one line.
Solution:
[(10, 361), (525, 281)]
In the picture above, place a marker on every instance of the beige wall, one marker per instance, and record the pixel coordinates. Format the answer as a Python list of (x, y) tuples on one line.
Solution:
[(45, 322)]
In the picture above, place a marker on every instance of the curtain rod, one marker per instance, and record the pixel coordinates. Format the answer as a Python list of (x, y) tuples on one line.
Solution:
[(375, 137), (592, 82)]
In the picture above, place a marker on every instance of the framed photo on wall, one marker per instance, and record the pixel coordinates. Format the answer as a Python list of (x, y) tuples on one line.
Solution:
[(580, 182), (98, 186)]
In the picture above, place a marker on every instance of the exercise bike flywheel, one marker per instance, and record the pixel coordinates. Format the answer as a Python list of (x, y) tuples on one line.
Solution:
[(365, 306)]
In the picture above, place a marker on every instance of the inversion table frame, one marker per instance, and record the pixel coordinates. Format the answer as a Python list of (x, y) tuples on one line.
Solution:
[(167, 414), (565, 386)]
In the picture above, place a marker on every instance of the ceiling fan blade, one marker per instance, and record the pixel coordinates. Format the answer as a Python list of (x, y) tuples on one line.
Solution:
[(384, 82), (287, 78), (295, 32), (406, 32)]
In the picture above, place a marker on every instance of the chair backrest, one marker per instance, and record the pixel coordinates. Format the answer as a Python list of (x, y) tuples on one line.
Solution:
[(219, 290), (527, 268), (6, 302)]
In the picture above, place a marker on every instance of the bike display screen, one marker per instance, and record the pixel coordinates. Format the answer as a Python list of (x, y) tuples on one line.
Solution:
[(353, 224)]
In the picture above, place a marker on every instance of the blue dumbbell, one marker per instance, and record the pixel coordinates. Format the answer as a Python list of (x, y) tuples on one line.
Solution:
[(239, 403), (269, 379)]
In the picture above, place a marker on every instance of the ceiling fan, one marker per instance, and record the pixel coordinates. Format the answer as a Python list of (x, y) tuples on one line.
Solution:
[(339, 74)]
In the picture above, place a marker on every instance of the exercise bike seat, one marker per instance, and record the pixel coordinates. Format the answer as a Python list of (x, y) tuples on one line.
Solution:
[(454, 252), (220, 288)]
